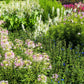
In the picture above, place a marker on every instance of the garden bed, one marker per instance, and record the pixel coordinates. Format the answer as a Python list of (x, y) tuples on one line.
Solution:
[(41, 43)]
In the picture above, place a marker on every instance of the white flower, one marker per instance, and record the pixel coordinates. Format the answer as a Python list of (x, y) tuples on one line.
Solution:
[(81, 22), (75, 10), (23, 27), (78, 6), (79, 33), (58, 12), (52, 10)]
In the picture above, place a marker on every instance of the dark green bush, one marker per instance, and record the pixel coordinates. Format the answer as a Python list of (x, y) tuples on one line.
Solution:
[(47, 7), (67, 31)]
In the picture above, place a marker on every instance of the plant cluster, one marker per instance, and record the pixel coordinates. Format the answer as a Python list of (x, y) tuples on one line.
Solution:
[(77, 7), (22, 59), (69, 29), (50, 8), (20, 17)]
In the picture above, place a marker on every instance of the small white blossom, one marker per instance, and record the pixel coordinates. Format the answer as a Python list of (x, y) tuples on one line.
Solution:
[(79, 33)]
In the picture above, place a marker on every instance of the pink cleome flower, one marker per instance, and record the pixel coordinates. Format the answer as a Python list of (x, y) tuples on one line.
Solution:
[(9, 55)]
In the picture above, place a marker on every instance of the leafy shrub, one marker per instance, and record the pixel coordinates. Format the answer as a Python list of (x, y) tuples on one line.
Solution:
[(47, 6), (70, 30), (14, 23)]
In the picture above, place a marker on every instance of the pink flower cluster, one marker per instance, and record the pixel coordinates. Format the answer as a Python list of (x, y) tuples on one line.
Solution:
[(45, 57), (29, 52), (40, 57), (30, 43), (79, 6), (47, 65), (39, 44), (6, 63), (9, 55), (37, 57), (18, 42), (55, 76), (76, 7), (3, 82), (1, 22), (68, 6), (19, 62), (42, 78), (5, 44)]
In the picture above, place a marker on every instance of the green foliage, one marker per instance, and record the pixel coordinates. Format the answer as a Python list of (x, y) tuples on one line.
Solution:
[(7, 1), (70, 29), (14, 23), (67, 62), (28, 73), (47, 6), (66, 31)]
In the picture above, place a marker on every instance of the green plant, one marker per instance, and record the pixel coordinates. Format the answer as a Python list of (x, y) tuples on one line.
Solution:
[(20, 62), (17, 19), (14, 23), (67, 62), (47, 6), (70, 30)]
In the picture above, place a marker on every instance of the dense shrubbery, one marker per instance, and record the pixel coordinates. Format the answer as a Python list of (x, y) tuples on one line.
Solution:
[(71, 29)]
